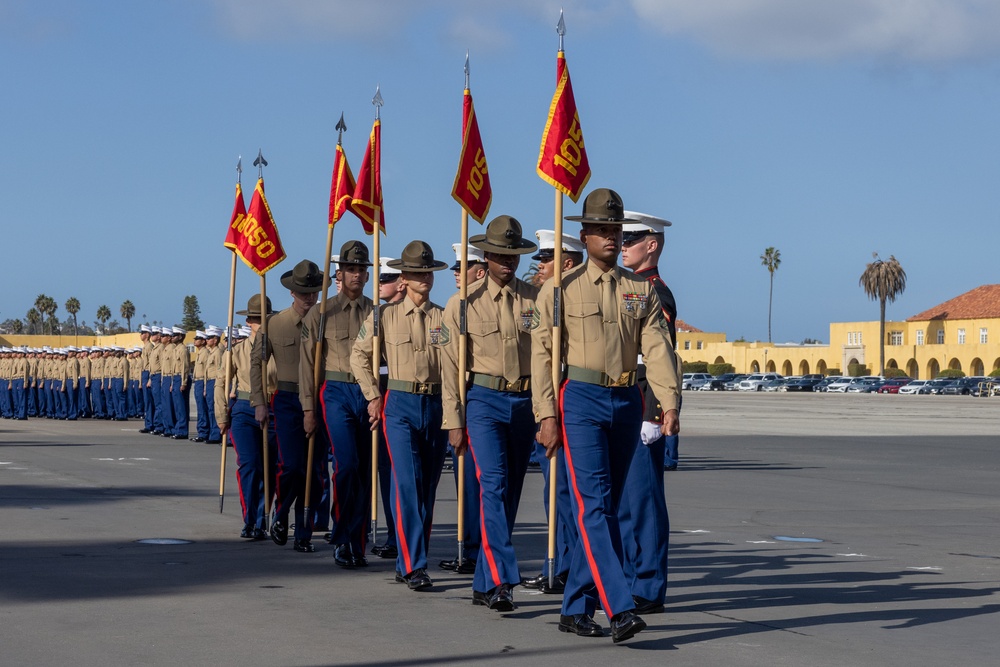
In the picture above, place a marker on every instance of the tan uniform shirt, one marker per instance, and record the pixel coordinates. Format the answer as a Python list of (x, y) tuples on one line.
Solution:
[(213, 361), (343, 324), (240, 376), (200, 363), (641, 328), (97, 371), (156, 359), (147, 349), (33, 370), (72, 372), (498, 344), (83, 363), (283, 337), (410, 340)]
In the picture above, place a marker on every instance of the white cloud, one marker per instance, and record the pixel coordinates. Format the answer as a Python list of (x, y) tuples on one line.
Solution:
[(908, 30)]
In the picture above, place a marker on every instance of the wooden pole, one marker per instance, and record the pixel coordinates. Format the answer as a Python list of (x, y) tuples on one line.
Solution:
[(227, 377), (263, 379), (463, 294), (376, 362), (556, 378)]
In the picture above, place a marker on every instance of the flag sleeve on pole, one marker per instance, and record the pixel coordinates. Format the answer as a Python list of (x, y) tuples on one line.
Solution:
[(236, 219), (341, 187), (367, 199), (562, 158), (472, 182), (254, 236)]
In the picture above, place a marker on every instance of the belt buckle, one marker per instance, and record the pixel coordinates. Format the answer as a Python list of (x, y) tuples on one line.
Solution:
[(420, 388), (621, 381)]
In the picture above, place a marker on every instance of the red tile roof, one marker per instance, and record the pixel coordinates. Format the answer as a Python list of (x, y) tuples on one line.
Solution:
[(980, 303), (684, 326)]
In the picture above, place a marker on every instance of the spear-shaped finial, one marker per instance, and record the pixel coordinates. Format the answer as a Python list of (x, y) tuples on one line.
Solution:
[(377, 101), (561, 29), (260, 163), (341, 127), (239, 169), (466, 70)]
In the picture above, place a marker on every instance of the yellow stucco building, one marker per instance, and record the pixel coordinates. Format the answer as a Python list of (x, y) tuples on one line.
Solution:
[(962, 333)]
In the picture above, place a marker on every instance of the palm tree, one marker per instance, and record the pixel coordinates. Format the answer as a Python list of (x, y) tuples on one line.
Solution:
[(103, 315), (128, 312), (73, 307), (883, 281), (772, 260), (46, 305), (33, 317)]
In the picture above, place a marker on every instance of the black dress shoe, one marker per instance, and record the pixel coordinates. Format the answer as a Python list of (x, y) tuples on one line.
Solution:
[(480, 599), (343, 557), (464, 566), (156, 432), (214, 442), (673, 467), (626, 625), (279, 533), (303, 546), (400, 579), (199, 439), (534, 583), (557, 587), (644, 606), (179, 437), (581, 624), (358, 561), (247, 532), (328, 537), (259, 534), (418, 580), (144, 430), (385, 551), (502, 598)]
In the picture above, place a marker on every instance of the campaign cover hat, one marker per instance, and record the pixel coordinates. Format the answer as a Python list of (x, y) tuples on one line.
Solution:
[(354, 253), (305, 278), (504, 237), (253, 307), (417, 257), (602, 207)]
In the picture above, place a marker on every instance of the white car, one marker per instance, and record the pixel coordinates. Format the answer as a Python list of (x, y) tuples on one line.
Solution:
[(912, 387), (688, 379), (754, 382), (839, 385)]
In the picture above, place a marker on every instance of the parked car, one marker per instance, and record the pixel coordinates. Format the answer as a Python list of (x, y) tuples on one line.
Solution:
[(935, 386), (689, 378), (734, 384), (773, 385), (754, 381), (804, 383), (715, 384), (839, 385), (962, 386), (862, 385), (825, 382), (991, 387), (912, 388), (893, 385)]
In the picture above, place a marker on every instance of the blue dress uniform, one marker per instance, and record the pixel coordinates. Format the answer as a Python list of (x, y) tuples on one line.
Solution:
[(212, 372), (246, 435), (19, 379), (410, 340), (83, 384), (166, 379), (608, 319), (342, 421), (30, 388), (498, 416), (180, 387), (154, 395), (642, 514), (200, 400)]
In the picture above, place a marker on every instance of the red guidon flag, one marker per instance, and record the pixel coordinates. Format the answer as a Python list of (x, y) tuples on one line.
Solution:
[(253, 236), (367, 200), (239, 213), (562, 158), (472, 182), (341, 187)]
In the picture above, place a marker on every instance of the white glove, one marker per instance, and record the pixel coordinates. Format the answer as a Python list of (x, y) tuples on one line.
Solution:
[(650, 432)]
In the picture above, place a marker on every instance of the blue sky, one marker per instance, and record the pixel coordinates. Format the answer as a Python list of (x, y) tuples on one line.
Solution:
[(826, 130)]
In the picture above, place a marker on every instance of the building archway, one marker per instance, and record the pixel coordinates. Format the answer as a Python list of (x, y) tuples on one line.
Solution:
[(770, 367), (891, 363), (955, 364), (933, 368), (720, 360), (996, 364), (821, 367), (976, 367), (803, 367), (754, 367), (912, 369), (786, 368)]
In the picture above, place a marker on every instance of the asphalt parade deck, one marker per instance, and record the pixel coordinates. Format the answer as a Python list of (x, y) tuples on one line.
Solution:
[(806, 530)]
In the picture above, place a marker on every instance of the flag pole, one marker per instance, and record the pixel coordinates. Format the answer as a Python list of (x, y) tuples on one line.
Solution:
[(377, 102), (318, 350), (556, 352), (229, 354), (463, 342), (260, 163)]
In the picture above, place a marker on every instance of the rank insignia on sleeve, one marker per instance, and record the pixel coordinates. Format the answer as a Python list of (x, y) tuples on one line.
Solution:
[(536, 319), (529, 318), (361, 331), (633, 300), (445, 335), (305, 332)]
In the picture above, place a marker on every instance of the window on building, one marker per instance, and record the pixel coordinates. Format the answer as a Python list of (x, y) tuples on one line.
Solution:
[(687, 345), (858, 334), (940, 336), (983, 337), (895, 338), (961, 336), (699, 345), (920, 336)]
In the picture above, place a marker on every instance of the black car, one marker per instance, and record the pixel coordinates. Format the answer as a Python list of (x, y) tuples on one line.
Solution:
[(962, 386), (715, 384), (805, 383)]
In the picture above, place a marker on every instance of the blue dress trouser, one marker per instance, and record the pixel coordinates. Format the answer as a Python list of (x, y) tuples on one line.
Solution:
[(501, 429), (566, 532), (417, 446), (58, 399), (32, 398), (83, 398), (292, 446), (181, 398), (72, 408), (97, 398), (600, 430), (645, 523), (149, 402), (156, 394), (473, 528), (201, 408), (213, 426), (385, 488), (166, 405), (248, 443), (20, 400), (345, 417), (118, 397)]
